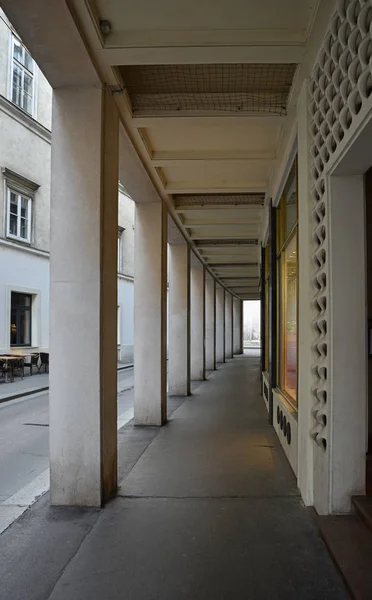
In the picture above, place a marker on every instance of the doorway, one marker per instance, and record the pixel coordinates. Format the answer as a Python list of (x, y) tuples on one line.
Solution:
[(252, 327), (368, 211)]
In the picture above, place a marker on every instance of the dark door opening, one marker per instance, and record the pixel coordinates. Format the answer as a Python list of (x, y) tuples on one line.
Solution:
[(368, 188)]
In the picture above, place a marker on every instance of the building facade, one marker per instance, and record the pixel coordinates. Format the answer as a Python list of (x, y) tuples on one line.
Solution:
[(25, 159)]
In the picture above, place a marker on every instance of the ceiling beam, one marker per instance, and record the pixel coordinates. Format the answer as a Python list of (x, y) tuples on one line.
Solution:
[(172, 156), (172, 37), (205, 121), (229, 222), (186, 187), (236, 210), (157, 51), (212, 160), (251, 290), (223, 232)]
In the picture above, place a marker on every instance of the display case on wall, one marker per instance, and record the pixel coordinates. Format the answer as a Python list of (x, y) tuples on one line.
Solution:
[(287, 289)]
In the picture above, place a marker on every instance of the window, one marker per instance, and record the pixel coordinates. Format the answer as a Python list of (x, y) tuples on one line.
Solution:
[(22, 77), (287, 286), (20, 319), (120, 248), (19, 216)]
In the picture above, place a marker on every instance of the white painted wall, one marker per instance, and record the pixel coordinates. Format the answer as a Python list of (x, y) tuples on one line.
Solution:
[(25, 149), (126, 220), (126, 318)]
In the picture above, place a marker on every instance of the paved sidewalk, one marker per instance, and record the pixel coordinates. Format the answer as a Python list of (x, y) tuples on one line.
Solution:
[(207, 509), (36, 383)]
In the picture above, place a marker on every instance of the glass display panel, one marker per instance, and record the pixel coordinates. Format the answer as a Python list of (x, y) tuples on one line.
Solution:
[(289, 320)]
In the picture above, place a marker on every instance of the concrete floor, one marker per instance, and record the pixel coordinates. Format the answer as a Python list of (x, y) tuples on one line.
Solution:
[(207, 508)]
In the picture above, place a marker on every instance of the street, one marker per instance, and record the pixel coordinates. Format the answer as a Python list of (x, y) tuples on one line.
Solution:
[(24, 435)]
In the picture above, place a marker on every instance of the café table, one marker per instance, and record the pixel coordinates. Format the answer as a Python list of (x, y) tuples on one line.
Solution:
[(11, 360)]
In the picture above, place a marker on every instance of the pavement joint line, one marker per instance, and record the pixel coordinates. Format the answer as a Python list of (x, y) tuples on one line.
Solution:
[(14, 506)]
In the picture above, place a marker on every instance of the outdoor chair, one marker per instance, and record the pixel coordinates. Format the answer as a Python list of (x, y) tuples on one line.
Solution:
[(18, 368), (44, 361), (32, 361), (4, 368)]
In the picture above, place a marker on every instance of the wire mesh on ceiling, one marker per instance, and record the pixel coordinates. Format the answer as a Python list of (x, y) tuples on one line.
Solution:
[(223, 88), (189, 200)]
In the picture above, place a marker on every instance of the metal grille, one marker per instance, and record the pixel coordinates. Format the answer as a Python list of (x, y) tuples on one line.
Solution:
[(224, 88), (185, 200)]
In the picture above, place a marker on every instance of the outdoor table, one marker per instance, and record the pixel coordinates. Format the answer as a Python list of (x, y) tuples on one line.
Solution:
[(9, 359)]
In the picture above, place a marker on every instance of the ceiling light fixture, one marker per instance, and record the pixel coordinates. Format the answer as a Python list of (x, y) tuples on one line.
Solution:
[(105, 27)]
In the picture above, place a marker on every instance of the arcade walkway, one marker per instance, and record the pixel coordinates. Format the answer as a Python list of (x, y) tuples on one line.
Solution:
[(207, 509)]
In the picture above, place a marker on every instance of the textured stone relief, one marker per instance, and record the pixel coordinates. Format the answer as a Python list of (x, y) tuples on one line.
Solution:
[(340, 85)]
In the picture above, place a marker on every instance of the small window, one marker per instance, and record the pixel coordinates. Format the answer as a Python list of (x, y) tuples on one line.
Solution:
[(22, 77), (19, 216), (119, 325), (20, 319), (120, 248)]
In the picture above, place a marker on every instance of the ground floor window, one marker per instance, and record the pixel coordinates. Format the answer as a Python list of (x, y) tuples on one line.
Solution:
[(20, 319)]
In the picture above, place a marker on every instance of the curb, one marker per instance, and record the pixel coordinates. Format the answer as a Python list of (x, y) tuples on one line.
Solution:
[(23, 393), (29, 392)]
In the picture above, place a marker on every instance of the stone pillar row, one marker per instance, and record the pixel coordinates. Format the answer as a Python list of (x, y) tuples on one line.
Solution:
[(204, 321)]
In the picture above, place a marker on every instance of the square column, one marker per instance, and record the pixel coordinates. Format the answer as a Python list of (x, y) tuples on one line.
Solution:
[(237, 334), (210, 323), (220, 324), (83, 289), (197, 281), (241, 328), (150, 314), (179, 320), (228, 326)]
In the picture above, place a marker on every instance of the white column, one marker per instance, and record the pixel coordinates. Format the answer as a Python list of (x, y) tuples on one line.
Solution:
[(228, 325), (150, 314), (197, 283), (179, 320), (220, 324), (210, 323), (241, 316), (236, 326), (83, 304)]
